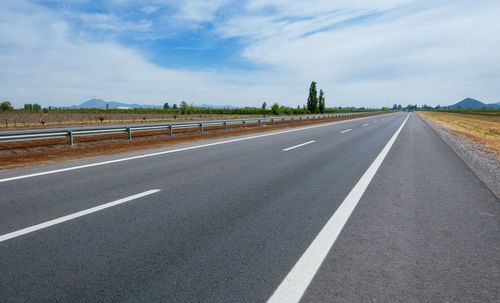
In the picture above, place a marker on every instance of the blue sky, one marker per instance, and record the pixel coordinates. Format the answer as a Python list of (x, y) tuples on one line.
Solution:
[(362, 53)]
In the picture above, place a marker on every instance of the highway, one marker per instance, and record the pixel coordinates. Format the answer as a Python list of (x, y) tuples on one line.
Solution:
[(376, 209)]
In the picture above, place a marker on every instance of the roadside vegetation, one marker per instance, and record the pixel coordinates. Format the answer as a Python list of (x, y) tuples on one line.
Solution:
[(33, 115)]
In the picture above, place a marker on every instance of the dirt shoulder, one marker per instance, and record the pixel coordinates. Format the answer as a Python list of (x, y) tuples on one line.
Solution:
[(475, 138), (21, 154)]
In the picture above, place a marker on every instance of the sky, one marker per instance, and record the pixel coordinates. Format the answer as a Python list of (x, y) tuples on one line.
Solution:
[(368, 53)]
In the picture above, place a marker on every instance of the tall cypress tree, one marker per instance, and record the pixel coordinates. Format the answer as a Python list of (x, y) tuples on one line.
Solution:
[(321, 101), (312, 100)]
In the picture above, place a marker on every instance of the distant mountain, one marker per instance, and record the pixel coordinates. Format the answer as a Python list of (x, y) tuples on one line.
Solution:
[(216, 106), (470, 103), (99, 103)]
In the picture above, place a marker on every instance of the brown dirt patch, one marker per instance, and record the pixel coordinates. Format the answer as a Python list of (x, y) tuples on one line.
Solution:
[(482, 129), (20, 154), (14, 120)]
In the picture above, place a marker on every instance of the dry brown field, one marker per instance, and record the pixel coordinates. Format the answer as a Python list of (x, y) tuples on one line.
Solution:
[(482, 129)]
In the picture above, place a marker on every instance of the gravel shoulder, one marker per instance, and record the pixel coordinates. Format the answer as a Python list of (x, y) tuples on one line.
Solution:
[(483, 161)]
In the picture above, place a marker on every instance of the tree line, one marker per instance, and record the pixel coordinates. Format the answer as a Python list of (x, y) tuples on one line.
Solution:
[(315, 104)]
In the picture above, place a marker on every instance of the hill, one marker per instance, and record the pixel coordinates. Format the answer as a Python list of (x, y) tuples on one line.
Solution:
[(470, 103), (216, 106), (99, 103)]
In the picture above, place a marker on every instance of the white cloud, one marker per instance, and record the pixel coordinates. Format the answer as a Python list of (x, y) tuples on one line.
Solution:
[(149, 9), (199, 10), (432, 55), (112, 23)]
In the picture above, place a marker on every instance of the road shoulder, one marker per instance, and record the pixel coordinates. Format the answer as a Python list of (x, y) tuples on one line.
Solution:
[(482, 161)]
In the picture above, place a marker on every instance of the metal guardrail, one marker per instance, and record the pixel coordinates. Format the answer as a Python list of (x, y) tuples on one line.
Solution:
[(78, 131)]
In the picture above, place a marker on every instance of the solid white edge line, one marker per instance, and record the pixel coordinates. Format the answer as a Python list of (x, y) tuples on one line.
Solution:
[(293, 287), (345, 131), (173, 151), (293, 147), (43, 225)]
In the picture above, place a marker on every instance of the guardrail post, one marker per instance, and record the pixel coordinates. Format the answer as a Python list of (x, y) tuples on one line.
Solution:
[(70, 134), (244, 124), (225, 125), (272, 121), (171, 129), (259, 123), (201, 127), (129, 131), (292, 118), (283, 119)]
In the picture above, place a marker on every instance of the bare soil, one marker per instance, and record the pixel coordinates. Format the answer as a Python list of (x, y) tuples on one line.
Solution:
[(13, 120), (19, 154)]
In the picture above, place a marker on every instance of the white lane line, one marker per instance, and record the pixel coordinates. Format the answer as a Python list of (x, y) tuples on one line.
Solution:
[(375, 121), (290, 148), (345, 131), (294, 285), (43, 225), (364, 125), (174, 150)]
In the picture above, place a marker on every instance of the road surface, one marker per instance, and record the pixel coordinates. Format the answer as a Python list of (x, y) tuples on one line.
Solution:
[(374, 209)]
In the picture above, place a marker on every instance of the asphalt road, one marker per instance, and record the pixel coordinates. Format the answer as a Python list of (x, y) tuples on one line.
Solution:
[(232, 217)]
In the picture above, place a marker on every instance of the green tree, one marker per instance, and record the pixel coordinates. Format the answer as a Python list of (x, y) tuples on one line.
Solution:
[(166, 106), (37, 106), (321, 101), (28, 106), (174, 106), (264, 105), (312, 100), (275, 109), (184, 105), (6, 105)]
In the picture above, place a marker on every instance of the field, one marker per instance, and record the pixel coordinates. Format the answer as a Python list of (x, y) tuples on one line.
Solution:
[(28, 120), (484, 129), (488, 112)]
